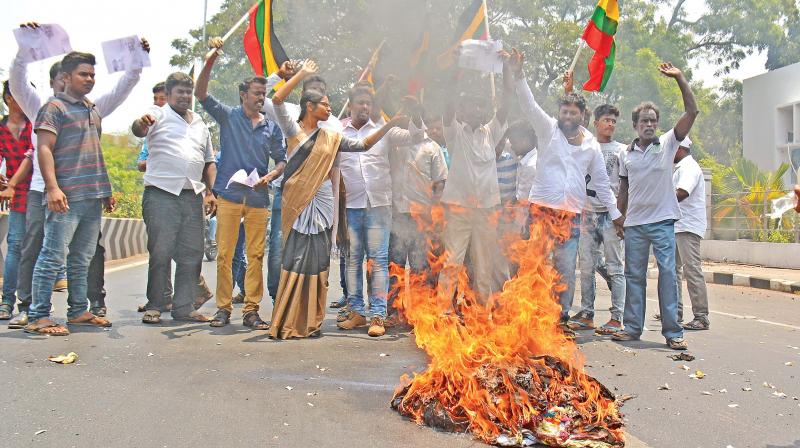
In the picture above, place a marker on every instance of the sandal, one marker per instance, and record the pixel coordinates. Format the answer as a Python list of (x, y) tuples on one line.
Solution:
[(194, 316), (677, 344), (141, 308), (99, 311), (623, 337), (151, 317), (5, 312), (46, 327), (221, 318), (201, 300), (609, 328), (697, 324), (88, 319), (253, 320), (580, 323)]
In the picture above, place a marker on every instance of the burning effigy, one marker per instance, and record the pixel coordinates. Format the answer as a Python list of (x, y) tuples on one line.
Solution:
[(502, 370)]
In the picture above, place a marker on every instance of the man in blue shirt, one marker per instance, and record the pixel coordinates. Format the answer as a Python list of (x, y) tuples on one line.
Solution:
[(247, 141)]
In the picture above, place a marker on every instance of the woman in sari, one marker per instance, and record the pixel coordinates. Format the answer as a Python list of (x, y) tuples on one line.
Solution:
[(309, 207)]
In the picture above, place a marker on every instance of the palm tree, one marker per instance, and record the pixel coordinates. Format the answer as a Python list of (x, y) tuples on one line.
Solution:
[(745, 193)]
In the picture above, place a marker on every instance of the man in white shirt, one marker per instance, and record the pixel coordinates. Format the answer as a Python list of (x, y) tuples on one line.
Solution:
[(419, 173), (647, 198), (472, 194), (690, 189), (180, 172), (568, 152), (30, 102), (368, 190), (597, 230)]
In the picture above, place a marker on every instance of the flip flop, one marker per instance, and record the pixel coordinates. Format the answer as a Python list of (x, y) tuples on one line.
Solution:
[(88, 319), (194, 316), (46, 327), (152, 317)]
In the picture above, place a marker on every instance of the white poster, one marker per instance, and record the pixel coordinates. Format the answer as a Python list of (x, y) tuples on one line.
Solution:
[(43, 42), (125, 54), (481, 55)]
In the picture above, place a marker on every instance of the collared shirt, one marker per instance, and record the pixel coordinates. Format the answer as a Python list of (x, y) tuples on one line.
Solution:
[(367, 175), (415, 168), (651, 194), (561, 167), (13, 150), (77, 154), (244, 147), (688, 176), (610, 152), (29, 101), (507, 166), (179, 151), (526, 174), (472, 181)]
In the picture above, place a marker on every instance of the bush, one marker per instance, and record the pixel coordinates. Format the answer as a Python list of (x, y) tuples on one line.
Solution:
[(126, 181)]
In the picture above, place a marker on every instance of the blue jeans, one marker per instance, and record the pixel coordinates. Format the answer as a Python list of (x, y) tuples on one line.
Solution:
[(661, 235), (597, 229), (239, 262), (368, 232), (274, 246), (69, 237), (16, 232), (565, 258), (31, 246)]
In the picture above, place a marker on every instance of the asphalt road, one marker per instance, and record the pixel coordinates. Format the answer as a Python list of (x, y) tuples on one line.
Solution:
[(191, 385)]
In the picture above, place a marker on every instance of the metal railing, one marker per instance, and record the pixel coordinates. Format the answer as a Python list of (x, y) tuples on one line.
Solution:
[(756, 215)]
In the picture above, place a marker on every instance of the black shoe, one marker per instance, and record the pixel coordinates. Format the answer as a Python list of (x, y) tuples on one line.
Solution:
[(221, 318)]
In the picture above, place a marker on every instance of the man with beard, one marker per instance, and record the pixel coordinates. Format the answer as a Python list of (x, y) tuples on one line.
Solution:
[(648, 199), (247, 141), (568, 152), (180, 158)]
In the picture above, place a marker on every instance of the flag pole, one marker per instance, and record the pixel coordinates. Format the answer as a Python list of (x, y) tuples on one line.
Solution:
[(370, 66), (577, 55), (489, 37), (232, 30)]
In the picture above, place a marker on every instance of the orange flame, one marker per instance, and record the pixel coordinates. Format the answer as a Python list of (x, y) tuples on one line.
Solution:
[(515, 329)]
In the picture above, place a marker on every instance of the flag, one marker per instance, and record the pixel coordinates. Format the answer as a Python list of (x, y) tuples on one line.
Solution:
[(471, 25), (264, 50), (599, 36), (418, 62)]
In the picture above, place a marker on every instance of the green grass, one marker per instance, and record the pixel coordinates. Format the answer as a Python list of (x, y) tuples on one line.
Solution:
[(126, 181)]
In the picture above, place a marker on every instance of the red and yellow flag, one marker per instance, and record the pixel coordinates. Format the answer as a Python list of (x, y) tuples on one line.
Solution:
[(599, 36), (262, 46)]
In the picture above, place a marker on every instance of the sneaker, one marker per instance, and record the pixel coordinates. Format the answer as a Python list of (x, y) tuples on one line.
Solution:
[(19, 321), (376, 327), (610, 327), (354, 320), (677, 344), (60, 285), (238, 299)]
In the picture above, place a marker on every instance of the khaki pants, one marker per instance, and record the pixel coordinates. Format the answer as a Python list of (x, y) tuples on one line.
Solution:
[(229, 216), (474, 229), (689, 265)]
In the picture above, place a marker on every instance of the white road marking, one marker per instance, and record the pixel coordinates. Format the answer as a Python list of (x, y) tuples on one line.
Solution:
[(126, 266), (753, 318)]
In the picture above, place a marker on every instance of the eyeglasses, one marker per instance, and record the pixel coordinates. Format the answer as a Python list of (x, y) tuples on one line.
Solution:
[(324, 104)]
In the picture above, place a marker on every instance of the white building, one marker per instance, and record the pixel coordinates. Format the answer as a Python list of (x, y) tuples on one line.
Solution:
[(771, 113)]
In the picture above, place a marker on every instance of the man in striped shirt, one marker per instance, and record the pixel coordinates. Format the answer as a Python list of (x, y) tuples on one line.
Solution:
[(77, 188)]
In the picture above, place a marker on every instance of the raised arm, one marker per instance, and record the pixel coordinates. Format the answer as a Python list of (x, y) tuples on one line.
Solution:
[(690, 110), (109, 102), (353, 145), (309, 68), (508, 87), (541, 121), (21, 89), (201, 86)]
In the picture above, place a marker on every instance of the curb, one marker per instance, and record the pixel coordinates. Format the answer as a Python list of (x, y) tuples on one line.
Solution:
[(748, 281)]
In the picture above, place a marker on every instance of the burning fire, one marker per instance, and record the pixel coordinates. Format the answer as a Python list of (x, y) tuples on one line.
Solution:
[(504, 371)]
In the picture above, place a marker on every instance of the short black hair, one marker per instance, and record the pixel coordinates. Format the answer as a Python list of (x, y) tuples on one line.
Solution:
[(312, 79), (605, 109), (75, 58), (160, 87), (244, 86), (647, 105), (55, 69), (522, 128), (360, 90), (573, 99), (178, 79), (6, 92)]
